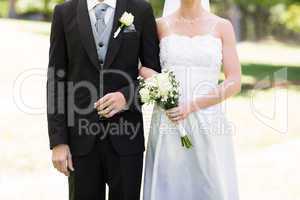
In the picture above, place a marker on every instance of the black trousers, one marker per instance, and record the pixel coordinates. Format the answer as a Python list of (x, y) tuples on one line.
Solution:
[(103, 166)]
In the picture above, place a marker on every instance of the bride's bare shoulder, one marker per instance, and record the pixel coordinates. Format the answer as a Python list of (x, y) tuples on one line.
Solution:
[(222, 26), (162, 27), (218, 19), (160, 22), (163, 22), (223, 21)]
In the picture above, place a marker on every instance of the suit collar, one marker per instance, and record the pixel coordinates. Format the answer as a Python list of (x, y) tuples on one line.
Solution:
[(86, 32), (115, 43)]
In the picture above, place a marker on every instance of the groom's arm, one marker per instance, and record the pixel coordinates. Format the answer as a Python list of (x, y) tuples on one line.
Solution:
[(149, 53), (56, 83)]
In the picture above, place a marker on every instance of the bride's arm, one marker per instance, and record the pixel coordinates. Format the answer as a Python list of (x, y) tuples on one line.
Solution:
[(232, 70)]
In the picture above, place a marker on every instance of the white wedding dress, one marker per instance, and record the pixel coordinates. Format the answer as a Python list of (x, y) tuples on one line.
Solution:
[(207, 171)]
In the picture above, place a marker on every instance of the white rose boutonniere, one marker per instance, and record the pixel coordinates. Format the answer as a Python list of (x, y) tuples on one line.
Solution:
[(126, 20)]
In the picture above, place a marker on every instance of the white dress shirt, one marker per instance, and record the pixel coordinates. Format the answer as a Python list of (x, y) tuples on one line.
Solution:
[(91, 4)]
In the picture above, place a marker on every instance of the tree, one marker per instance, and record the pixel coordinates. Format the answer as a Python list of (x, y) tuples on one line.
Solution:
[(232, 12), (256, 16), (12, 9), (157, 6)]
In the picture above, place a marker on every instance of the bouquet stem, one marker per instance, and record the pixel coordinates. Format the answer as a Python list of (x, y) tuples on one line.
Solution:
[(185, 140)]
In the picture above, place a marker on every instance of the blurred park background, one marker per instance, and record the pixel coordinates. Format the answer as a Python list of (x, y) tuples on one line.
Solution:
[(265, 115)]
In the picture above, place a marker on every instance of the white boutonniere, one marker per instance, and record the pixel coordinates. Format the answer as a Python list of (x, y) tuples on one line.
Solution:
[(126, 20)]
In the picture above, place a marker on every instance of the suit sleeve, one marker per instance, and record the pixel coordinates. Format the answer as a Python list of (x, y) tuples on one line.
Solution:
[(149, 54), (56, 83)]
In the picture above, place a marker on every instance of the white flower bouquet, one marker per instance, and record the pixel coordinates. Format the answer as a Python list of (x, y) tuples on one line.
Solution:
[(163, 90)]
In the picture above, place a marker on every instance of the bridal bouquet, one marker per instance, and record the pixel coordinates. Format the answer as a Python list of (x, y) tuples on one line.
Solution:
[(163, 89)]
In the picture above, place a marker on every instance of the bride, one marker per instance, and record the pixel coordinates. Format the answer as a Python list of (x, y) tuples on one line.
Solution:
[(194, 44)]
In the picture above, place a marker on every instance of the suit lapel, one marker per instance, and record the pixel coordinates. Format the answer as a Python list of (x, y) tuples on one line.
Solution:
[(115, 43), (86, 32)]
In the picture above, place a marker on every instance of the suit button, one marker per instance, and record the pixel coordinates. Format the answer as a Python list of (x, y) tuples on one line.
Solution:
[(101, 44), (101, 62)]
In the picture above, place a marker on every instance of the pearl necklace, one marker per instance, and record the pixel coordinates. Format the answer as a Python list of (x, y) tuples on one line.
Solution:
[(189, 21)]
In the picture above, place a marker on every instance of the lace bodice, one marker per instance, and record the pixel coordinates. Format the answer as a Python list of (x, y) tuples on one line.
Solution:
[(196, 62)]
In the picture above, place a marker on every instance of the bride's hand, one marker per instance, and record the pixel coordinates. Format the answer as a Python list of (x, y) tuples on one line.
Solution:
[(179, 113)]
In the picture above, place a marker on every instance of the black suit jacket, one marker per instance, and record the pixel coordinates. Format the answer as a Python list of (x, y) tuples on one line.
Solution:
[(77, 79)]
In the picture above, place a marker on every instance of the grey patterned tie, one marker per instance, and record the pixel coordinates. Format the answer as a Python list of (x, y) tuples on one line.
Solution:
[(100, 11)]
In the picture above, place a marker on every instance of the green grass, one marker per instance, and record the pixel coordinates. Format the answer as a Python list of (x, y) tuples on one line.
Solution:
[(252, 74), (261, 71)]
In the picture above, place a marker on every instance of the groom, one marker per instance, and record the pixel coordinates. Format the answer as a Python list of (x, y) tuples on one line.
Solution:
[(94, 119)]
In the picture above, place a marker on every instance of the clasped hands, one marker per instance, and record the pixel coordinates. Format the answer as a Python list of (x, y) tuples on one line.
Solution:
[(110, 104)]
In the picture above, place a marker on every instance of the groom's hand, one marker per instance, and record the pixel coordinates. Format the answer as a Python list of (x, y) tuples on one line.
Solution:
[(62, 159), (111, 104)]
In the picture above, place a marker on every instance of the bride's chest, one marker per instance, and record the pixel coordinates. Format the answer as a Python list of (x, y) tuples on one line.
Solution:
[(202, 51)]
